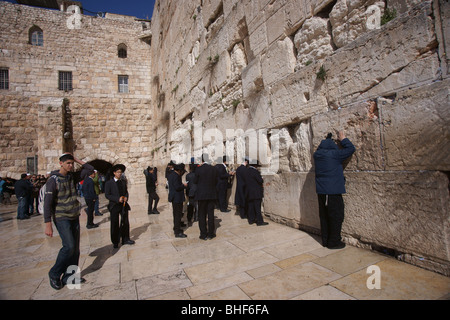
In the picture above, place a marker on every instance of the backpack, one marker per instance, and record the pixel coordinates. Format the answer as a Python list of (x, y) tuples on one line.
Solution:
[(42, 194)]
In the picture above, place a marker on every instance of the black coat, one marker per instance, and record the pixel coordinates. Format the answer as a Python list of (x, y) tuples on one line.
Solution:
[(23, 188), (150, 181), (254, 184), (222, 177), (176, 188), (113, 195), (206, 181), (239, 197)]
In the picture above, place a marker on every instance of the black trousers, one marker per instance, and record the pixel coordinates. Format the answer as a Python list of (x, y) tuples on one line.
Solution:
[(120, 226), (152, 196), (254, 211), (177, 215), (331, 214), (90, 211), (206, 218), (222, 191), (192, 210)]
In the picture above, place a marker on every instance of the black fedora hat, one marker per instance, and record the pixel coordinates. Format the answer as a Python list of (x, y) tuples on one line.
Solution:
[(117, 167)]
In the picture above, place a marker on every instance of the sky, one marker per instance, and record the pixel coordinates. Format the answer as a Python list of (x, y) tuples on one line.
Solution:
[(142, 9)]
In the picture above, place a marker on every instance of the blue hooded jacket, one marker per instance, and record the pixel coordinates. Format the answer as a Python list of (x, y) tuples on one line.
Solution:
[(328, 160)]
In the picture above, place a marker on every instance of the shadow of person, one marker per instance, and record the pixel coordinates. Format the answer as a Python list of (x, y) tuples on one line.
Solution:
[(101, 255), (136, 232), (104, 253)]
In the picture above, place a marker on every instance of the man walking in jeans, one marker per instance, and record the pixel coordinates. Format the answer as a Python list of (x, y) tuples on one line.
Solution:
[(330, 185), (61, 205)]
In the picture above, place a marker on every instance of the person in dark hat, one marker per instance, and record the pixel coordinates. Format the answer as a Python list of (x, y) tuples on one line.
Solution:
[(223, 176), (90, 197), (239, 197), (151, 183), (206, 195), (330, 185), (254, 193), (117, 193), (177, 197)]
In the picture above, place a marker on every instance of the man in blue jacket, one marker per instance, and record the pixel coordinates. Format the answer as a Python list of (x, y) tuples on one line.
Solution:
[(330, 185)]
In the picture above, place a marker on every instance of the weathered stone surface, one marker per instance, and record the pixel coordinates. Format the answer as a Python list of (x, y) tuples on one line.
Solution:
[(313, 42), (400, 210), (416, 140)]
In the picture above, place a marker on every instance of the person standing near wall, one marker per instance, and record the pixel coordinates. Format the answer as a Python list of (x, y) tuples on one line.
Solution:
[(330, 185), (206, 195), (151, 182), (177, 197), (90, 196)]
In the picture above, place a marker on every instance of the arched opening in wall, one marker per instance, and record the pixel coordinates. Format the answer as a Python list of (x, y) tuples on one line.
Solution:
[(122, 50), (101, 166)]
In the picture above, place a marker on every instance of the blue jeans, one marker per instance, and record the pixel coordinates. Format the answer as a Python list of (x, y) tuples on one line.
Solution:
[(22, 208), (69, 231)]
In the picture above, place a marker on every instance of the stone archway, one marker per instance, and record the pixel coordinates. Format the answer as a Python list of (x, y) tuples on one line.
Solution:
[(101, 166)]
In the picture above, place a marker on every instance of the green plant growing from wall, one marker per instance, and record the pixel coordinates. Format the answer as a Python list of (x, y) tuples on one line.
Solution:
[(389, 14), (322, 74)]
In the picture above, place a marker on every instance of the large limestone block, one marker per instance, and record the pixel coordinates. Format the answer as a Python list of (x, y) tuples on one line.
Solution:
[(291, 198), (221, 70), (252, 81), (359, 67), (416, 128), (402, 210), (297, 97), (348, 19), (313, 42), (278, 62)]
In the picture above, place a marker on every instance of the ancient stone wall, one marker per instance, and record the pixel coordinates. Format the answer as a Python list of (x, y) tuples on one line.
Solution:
[(302, 68), (103, 123)]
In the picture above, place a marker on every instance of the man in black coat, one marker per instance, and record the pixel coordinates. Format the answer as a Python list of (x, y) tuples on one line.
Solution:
[(254, 193), (206, 195), (222, 184), (90, 197), (117, 193), (151, 179), (330, 185), (177, 197), (239, 197)]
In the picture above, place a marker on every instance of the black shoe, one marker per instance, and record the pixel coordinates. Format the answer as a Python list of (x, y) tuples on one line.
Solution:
[(262, 224), (211, 237), (115, 245), (56, 283), (339, 245), (92, 226), (225, 210), (128, 241), (180, 235), (203, 238), (99, 214), (155, 211)]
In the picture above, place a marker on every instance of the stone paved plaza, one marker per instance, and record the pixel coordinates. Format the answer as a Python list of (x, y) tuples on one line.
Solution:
[(244, 262)]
